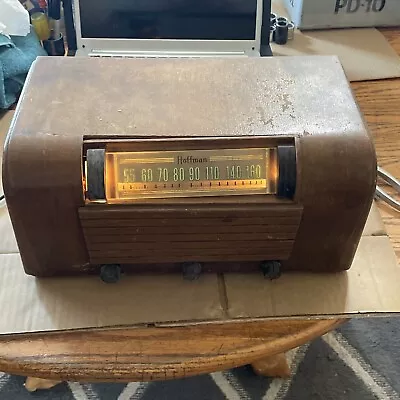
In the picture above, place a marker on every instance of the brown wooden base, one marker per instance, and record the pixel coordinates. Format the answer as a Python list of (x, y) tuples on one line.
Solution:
[(272, 367)]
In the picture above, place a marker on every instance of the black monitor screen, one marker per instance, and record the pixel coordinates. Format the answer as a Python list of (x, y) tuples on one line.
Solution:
[(169, 19)]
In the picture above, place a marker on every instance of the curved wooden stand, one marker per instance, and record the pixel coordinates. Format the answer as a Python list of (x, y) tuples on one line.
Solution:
[(157, 353)]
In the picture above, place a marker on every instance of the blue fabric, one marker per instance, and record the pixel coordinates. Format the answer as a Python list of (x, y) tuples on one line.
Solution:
[(16, 57)]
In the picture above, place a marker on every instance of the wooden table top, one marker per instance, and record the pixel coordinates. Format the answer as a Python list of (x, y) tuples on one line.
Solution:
[(151, 353)]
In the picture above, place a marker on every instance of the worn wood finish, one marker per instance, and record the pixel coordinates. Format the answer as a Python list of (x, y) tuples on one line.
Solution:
[(135, 235), (180, 100), (173, 234), (152, 353)]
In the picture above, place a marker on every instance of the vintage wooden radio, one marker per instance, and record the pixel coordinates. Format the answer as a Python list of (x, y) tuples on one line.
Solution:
[(225, 164)]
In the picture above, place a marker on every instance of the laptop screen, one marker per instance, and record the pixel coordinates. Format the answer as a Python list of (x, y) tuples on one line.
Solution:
[(169, 19)]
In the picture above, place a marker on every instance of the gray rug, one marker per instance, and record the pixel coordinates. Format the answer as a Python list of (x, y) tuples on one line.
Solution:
[(359, 361)]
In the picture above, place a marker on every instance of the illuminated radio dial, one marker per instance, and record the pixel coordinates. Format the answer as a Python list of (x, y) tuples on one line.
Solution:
[(123, 177)]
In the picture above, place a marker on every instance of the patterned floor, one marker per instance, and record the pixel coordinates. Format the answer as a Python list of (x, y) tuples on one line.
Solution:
[(359, 361)]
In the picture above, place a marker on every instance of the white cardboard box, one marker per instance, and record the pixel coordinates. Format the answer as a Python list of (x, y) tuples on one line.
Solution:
[(325, 14)]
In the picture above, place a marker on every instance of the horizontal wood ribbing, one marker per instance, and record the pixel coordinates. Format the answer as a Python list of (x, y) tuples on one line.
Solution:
[(216, 221), (206, 245), (191, 230), (173, 234), (159, 212), (178, 237)]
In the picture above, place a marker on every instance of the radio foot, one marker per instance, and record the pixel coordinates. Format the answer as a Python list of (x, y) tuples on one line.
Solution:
[(110, 273), (271, 269), (191, 270)]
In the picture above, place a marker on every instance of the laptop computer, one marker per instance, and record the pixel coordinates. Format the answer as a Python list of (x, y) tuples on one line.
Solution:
[(172, 28)]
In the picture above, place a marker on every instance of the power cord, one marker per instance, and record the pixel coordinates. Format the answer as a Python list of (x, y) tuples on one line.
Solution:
[(393, 183)]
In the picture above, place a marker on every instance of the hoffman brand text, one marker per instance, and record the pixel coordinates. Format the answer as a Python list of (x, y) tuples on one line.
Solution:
[(191, 160)]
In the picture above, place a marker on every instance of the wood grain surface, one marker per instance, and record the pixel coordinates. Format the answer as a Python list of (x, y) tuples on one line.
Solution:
[(201, 233), (380, 103), (152, 353)]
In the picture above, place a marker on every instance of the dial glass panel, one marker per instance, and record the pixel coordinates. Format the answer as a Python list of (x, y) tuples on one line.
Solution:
[(189, 173)]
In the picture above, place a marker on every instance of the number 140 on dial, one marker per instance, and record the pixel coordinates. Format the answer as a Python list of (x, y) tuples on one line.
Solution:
[(247, 172)]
